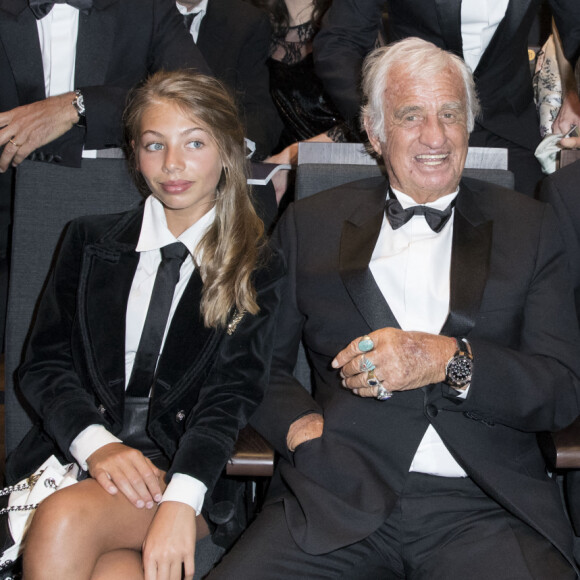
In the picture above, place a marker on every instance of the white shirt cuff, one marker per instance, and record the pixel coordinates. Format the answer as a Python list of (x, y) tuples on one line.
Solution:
[(185, 489), (251, 147), (463, 394), (88, 441)]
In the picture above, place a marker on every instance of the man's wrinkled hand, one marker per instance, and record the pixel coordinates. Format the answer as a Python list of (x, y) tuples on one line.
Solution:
[(117, 467), (304, 429), (25, 129), (399, 361)]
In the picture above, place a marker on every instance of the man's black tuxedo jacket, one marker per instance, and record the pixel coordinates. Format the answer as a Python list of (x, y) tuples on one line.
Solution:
[(234, 39), (562, 191), (502, 77), (509, 296), (208, 382), (119, 43)]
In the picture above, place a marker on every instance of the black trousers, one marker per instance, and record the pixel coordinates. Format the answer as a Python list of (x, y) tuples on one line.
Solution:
[(441, 529)]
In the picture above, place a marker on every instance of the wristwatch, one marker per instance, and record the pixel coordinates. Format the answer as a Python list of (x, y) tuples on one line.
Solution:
[(79, 104), (459, 367)]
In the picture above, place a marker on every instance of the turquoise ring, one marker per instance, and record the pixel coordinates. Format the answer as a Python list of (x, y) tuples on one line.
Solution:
[(366, 344), (365, 364)]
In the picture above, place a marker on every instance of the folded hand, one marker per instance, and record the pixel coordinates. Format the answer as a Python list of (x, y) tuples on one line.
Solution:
[(117, 467)]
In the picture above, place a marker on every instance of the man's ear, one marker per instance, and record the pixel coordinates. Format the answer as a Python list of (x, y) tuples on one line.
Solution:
[(373, 139)]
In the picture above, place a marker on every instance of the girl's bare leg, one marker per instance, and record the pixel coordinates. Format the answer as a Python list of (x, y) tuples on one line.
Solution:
[(75, 526), (127, 565)]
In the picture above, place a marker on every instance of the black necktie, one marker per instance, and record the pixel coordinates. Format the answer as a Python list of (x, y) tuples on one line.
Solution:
[(143, 374), (398, 216), (189, 18), (41, 8)]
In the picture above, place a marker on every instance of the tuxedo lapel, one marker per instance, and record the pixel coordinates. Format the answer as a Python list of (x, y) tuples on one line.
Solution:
[(358, 240), (95, 40), (470, 255), (107, 272), (449, 18), (19, 36), (505, 33), (188, 346)]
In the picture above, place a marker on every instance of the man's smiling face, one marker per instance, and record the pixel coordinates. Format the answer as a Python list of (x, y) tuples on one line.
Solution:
[(426, 135)]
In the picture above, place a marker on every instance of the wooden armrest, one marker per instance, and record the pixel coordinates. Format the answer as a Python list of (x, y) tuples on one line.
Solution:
[(252, 455), (561, 449), (568, 156)]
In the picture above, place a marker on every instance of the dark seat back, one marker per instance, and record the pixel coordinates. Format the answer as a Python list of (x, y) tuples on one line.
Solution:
[(314, 177), (47, 197)]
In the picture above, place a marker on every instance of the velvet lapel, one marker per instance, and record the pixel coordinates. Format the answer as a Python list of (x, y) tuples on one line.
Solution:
[(187, 349), (19, 36), (449, 18), (95, 40), (470, 255), (359, 237), (107, 273)]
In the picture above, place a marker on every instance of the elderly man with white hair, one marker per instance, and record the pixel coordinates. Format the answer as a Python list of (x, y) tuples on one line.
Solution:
[(439, 323)]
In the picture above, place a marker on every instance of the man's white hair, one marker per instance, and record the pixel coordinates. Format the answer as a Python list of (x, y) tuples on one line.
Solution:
[(424, 61)]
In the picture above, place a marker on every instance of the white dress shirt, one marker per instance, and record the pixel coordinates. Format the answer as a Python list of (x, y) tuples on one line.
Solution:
[(411, 266), (200, 9), (479, 21), (154, 236), (57, 33)]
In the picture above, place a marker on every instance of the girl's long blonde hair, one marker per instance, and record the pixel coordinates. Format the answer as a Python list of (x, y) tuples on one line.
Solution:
[(234, 243)]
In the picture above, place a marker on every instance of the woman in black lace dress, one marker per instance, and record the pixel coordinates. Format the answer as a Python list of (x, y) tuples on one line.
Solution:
[(306, 110)]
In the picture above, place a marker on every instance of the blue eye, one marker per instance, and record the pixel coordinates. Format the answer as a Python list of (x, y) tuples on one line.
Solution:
[(195, 144), (154, 147)]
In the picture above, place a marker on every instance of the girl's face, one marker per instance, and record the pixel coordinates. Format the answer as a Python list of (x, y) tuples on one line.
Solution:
[(180, 162)]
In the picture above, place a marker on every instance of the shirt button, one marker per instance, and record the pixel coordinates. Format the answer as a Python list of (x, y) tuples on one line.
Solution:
[(180, 416), (102, 409)]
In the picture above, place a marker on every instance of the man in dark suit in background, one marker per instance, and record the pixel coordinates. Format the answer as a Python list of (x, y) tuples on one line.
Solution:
[(234, 38), (561, 190), (64, 76), (492, 36), (447, 300)]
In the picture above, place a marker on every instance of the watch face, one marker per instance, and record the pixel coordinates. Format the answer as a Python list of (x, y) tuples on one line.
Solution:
[(459, 370)]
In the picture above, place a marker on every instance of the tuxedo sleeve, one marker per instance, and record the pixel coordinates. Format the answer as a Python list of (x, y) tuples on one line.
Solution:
[(286, 399), (531, 383), (170, 48), (349, 31), (235, 386), (560, 191), (263, 125)]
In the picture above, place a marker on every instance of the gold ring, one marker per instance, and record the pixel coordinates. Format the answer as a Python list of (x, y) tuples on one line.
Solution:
[(372, 379), (14, 143)]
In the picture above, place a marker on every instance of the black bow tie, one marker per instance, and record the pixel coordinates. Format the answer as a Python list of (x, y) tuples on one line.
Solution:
[(398, 216), (41, 8)]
